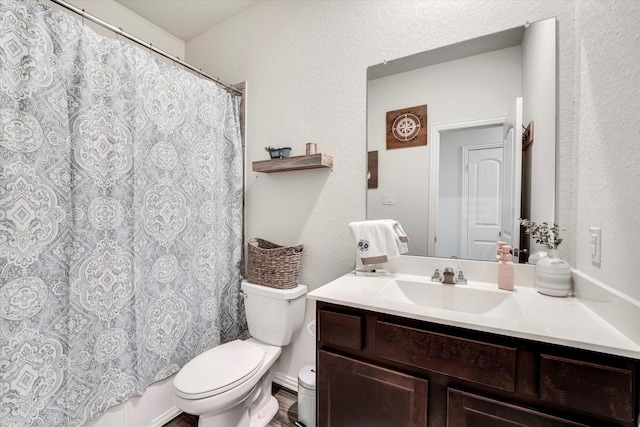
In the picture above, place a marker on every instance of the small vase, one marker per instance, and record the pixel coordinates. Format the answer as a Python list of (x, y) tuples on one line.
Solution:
[(553, 275), (536, 256)]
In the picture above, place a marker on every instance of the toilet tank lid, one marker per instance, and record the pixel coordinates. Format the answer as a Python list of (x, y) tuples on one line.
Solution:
[(293, 293)]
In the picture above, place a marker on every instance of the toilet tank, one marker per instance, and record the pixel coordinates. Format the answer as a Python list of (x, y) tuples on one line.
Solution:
[(275, 316)]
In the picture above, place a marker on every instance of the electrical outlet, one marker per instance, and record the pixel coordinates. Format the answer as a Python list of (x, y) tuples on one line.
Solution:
[(595, 242)]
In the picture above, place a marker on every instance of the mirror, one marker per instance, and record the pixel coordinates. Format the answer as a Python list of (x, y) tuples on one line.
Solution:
[(466, 188)]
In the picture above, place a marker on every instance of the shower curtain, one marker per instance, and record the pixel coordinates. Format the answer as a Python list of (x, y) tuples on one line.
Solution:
[(120, 218)]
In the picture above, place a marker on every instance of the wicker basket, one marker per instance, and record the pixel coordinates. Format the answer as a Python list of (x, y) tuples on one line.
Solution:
[(273, 265)]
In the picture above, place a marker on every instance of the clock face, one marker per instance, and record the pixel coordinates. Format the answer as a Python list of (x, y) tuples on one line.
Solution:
[(406, 127)]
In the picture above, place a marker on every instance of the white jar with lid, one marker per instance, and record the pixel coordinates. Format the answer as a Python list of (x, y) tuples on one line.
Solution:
[(553, 276)]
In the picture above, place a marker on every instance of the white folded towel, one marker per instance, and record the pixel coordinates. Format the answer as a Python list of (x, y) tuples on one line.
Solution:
[(402, 240), (379, 240), (375, 241)]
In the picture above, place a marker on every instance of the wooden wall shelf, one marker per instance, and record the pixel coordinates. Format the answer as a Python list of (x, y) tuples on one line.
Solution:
[(312, 161)]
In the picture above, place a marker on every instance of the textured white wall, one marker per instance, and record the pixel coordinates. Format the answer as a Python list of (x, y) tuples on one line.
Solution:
[(607, 144), (305, 63)]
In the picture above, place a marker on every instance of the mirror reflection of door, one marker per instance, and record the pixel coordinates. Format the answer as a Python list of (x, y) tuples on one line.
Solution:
[(512, 177), (482, 201), (479, 178), (454, 188)]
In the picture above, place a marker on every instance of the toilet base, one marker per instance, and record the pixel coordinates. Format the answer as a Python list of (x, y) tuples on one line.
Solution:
[(265, 414), (256, 409), (260, 418), (263, 406)]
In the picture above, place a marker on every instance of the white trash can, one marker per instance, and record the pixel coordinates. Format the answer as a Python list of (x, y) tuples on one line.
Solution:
[(307, 396)]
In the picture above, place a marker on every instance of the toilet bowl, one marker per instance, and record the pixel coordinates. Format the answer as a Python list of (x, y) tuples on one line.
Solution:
[(230, 385)]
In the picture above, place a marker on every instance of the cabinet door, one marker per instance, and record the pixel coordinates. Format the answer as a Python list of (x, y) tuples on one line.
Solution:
[(355, 393), (590, 387), (466, 409)]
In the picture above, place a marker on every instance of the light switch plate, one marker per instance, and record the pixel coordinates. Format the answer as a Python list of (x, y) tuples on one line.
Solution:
[(388, 199)]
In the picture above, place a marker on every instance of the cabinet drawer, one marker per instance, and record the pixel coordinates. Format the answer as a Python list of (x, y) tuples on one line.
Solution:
[(344, 330), (466, 409), (483, 363), (590, 387)]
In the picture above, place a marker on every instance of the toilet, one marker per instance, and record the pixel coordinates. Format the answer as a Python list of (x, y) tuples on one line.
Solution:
[(230, 385)]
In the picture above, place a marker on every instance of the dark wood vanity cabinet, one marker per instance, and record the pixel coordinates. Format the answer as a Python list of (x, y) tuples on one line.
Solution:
[(381, 370), (364, 394)]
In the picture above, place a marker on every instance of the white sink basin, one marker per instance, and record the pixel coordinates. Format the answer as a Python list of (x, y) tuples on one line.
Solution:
[(460, 298), (480, 305)]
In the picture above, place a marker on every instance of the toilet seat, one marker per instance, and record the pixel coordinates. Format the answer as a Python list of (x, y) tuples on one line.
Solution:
[(218, 370)]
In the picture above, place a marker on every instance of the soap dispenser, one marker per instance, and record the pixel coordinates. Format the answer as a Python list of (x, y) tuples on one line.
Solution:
[(505, 267)]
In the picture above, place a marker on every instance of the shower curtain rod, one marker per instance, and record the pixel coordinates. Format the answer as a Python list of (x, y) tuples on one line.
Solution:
[(149, 46)]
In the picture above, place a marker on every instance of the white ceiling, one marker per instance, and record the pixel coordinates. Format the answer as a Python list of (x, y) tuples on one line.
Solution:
[(186, 18)]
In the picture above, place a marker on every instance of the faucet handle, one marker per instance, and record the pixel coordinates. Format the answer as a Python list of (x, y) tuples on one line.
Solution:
[(460, 277), (437, 277)]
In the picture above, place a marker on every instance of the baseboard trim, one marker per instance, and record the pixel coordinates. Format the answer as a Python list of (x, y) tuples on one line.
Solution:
[(286, 381), (166, 417)]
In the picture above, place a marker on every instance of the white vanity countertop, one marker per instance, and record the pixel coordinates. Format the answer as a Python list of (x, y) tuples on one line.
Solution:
[(525, 313)]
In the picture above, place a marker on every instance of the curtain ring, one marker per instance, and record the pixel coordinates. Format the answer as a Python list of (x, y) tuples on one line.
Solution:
[(83, 14)]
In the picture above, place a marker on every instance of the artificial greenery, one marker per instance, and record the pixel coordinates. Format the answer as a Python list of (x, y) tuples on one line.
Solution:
[(542, 233)]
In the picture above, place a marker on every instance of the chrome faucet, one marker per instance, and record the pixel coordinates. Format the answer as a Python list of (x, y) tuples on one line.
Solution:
[(460, 277), (437, 277), (449, 276)]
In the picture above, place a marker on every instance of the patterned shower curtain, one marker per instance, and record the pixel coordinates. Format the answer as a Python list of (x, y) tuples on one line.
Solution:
[(120, 218)]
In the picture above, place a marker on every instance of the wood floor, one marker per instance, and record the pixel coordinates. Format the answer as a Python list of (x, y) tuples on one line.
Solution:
[(286, 416)]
